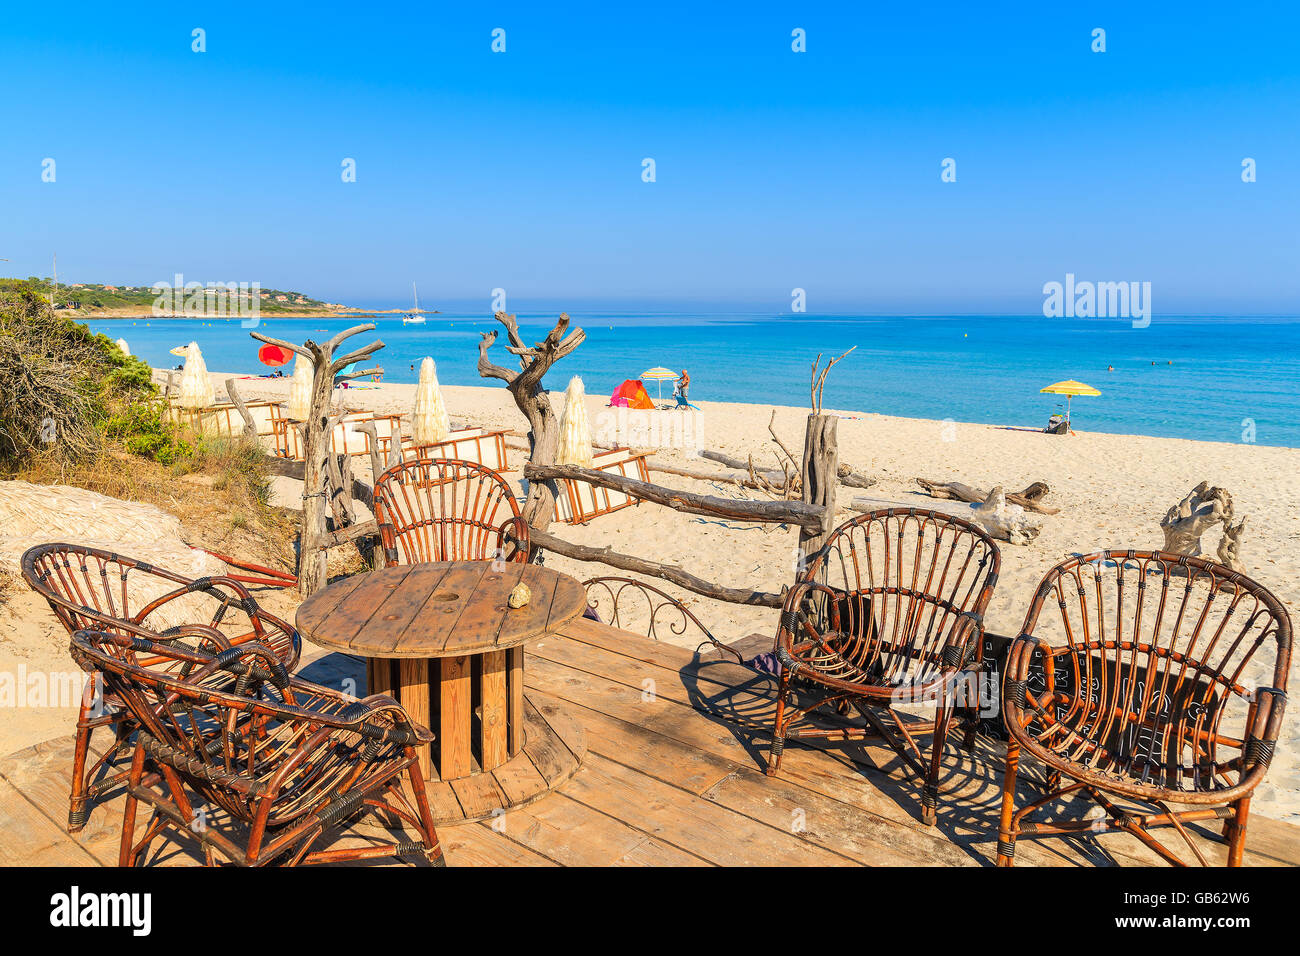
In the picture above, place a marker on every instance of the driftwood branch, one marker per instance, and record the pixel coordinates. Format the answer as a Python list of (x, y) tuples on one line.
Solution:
[(532, 399), (666, 572), (1030, 499), (302, 350), (819, 380), (771, 512), (250, 426)]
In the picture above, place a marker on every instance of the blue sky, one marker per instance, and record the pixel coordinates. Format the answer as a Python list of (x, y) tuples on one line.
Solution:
[(775, 170)]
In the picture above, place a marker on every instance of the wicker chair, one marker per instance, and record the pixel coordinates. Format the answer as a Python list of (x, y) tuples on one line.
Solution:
[(275, 761), (887, 613), (1135, 676), (442, 509), (622, 600), (89, 588)]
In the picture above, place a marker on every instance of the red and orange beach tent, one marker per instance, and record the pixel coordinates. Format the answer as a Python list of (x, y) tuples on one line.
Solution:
[(631, 394)]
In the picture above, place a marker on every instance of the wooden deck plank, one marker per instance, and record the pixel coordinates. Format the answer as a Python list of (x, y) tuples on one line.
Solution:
[(690, 823)]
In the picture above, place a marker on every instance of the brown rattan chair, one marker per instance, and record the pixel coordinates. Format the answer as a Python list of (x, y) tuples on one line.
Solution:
[(276, 763), (442, 509), (90, 588), (888, 613), (1147, 679), (621, 602)]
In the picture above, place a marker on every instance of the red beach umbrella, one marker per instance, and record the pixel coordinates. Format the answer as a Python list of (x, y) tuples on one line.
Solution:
[(274, 355)]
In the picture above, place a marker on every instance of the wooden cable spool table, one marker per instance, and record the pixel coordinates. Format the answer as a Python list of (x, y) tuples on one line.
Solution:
[(441, 638)]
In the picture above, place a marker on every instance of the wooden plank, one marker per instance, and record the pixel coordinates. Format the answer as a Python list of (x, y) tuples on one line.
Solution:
[(479, 794), (477, 845), (31, 838), (367, 599), (454, 723), (549, 755), (384, 629), (494, 713), (379, 676), (321, 605), (571, 833), (431, 628), (652, 852), (519, 778), (515, 693), (688, 822), (414, 676)]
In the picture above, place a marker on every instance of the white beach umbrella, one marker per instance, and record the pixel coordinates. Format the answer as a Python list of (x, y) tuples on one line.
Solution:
[(575, 429), (300, 389), (126, 349), (430, 424), (196, 386)]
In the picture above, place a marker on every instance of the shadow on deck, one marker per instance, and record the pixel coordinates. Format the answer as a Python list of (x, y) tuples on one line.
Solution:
[(673, 775)]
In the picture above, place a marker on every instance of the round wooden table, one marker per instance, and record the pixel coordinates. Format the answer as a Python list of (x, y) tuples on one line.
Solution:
[(441, 638)]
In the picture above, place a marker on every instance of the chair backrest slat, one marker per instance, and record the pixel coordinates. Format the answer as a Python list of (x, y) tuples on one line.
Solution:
[(1153, 665), (903, 580), (443, 509)]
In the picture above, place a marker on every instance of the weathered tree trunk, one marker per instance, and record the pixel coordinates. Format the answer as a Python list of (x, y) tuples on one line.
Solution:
[(250, 426), (526, 387), (315, 539), (819, 476), (809, 517)]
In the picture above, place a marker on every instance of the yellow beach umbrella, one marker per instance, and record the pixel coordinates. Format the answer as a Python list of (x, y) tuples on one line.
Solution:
[(1069, 388), (659, 374)]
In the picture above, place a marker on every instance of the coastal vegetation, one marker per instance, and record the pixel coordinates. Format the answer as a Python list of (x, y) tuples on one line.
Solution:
[(75, 410), (93, 298)]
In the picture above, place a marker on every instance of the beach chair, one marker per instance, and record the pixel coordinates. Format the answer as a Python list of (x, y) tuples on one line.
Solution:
[(480, 445), (260, 767), (439, 509), (889, 613), (624, 602), (90, 588), (1148, 680), (583, 501)]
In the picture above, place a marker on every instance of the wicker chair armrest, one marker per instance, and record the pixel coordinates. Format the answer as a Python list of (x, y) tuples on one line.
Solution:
[(1261, 737), (514, 529), (388, 543), (208, 585), (956, 651)]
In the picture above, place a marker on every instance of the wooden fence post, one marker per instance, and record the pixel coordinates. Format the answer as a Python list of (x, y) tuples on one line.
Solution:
[(820, 477)]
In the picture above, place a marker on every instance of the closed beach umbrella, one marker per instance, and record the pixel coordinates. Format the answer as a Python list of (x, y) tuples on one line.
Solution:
[(126, 349), (1069, 388), (659, 374), (430, 424), (196, 386), (300, 390), (575, 429)]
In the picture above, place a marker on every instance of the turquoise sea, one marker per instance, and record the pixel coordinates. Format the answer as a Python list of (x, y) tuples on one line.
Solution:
[(1213, 379)]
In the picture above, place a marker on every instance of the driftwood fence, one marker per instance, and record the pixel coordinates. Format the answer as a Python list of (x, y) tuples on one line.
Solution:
[(329, 489)]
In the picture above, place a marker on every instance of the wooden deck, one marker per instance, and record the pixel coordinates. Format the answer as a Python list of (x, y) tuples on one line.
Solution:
[(670, 777)]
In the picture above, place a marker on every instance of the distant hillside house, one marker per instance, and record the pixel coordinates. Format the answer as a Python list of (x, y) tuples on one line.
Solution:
[(110, 288), (281, 298)]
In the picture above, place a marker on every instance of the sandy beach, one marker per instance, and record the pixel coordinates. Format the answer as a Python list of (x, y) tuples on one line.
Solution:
[(1112, 491)]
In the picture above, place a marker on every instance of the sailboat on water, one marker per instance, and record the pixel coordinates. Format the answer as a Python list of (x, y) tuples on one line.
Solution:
[(414, 317)]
